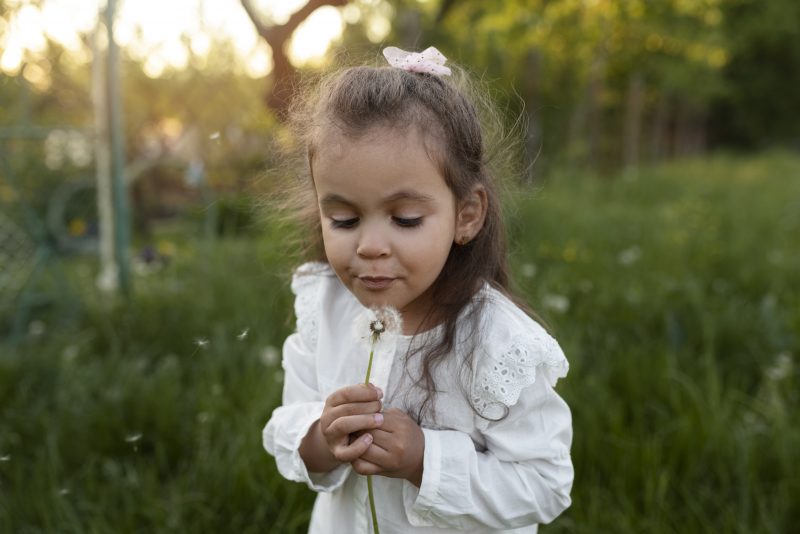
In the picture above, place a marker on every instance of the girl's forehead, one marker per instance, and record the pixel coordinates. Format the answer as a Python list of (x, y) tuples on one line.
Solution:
[(333, 143), (379, 164)]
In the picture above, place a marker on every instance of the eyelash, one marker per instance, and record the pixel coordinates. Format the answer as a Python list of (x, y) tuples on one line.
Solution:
[(399, 221)]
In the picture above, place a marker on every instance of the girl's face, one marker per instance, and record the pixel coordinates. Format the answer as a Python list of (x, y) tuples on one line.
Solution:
[(388, 219)]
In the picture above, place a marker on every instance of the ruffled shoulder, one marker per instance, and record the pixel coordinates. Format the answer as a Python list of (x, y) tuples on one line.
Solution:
[(516, 351), (307, 281)]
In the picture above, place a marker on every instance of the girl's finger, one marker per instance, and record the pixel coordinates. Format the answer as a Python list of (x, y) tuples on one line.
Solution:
[(355, 408), (348, 453), (364, 467), (356, 393), (377, 455), (353, 423), (382, 438)]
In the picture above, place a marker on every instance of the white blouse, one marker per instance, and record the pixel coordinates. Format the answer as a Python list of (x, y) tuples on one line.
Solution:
[(479, 475)]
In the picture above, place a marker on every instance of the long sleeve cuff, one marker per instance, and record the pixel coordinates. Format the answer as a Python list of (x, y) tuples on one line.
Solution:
[(282, 437), (421, 502)]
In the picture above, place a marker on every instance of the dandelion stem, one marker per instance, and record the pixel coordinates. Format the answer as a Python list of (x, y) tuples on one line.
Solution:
[(369, 365), (375, 528), (372, 510)]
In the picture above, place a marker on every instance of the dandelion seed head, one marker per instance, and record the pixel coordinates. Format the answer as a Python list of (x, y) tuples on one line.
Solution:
[(375, 323), (377, 327)]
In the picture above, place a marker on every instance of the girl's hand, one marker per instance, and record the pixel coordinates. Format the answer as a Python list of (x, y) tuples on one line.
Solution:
[(397, 449), (348, 411)]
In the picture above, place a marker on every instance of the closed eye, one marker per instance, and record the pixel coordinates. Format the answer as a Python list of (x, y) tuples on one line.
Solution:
[(407, 222), (344, 223)]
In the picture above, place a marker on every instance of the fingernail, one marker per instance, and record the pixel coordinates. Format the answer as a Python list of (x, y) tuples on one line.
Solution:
[(379, 418), (367, 438), (380, 393)]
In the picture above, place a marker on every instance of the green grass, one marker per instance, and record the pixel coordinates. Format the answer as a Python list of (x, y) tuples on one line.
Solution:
[(676, 296)]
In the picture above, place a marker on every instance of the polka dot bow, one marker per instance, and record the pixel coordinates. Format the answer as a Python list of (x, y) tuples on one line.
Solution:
[(430, 60)]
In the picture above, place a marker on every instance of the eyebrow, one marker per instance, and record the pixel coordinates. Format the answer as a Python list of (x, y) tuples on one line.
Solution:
[(333, 198)]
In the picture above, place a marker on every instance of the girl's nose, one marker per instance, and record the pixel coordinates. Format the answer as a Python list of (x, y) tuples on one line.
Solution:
[(372, 242)]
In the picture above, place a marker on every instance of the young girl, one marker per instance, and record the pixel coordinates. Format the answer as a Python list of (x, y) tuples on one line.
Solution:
[(460, 427)]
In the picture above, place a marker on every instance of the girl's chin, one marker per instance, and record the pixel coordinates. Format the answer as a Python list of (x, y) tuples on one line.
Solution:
[(370, 301)]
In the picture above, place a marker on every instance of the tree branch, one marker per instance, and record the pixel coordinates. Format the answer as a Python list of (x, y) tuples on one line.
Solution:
[(277, 35), (283, 72)]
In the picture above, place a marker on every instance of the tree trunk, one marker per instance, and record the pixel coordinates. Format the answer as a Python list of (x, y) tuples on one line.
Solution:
[(659, 133), (284, 74), (633, 121)]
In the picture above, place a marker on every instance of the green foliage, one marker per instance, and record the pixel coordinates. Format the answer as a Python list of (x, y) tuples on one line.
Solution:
[(762, 105), (674, 295)]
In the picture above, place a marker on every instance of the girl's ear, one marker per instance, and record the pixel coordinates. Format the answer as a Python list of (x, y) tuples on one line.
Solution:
[(471, 215)]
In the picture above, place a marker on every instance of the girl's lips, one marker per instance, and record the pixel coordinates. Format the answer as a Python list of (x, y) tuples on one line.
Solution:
[(375, 282)]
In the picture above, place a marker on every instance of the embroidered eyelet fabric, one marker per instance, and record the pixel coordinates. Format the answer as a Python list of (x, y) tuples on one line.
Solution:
[(502, 375), (305, 285)]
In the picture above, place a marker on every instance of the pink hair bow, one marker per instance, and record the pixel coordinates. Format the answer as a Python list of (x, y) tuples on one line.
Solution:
[(429, 60)]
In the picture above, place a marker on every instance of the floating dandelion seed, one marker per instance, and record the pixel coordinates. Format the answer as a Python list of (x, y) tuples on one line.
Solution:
[(5, 458), (133, 438), (63, 492), (201, 342), (214, 136), (243, 334)]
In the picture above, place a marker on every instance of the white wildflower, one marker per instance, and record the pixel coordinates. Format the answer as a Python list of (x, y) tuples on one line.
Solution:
[(36, 328), (781, 367), (69, 353), (556, 303), (528, 270), (629, 256), (269, 356)]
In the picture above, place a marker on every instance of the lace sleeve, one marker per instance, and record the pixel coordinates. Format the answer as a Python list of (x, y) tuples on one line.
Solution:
[(306, 285), (503, 373)]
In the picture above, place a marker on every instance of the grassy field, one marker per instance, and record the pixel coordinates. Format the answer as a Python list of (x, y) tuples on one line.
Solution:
[(675, 294)]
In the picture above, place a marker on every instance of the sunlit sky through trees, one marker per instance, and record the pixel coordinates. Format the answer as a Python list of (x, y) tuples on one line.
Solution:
[(165, 34)]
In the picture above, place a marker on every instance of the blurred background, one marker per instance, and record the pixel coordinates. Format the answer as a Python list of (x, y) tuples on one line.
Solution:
[(655, 226)]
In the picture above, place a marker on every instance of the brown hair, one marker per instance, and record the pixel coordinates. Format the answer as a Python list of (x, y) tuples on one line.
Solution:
[(355, 101)]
